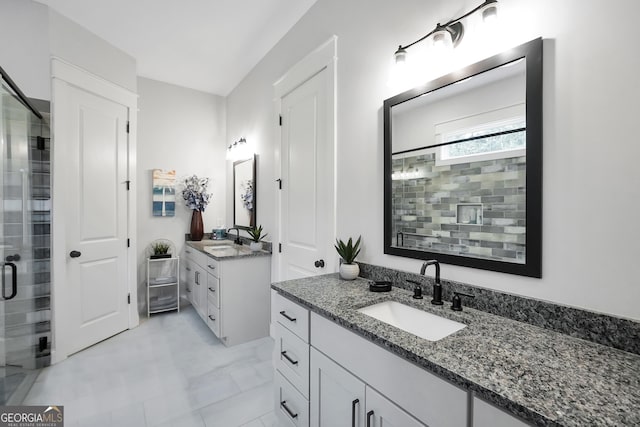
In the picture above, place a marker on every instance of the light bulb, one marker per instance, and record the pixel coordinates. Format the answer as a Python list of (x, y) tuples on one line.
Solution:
[(442, 38), (490, 11)]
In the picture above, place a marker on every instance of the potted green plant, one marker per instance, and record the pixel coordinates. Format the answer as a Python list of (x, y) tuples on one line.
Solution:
[(257, 237), (349, 270), (160, 250)]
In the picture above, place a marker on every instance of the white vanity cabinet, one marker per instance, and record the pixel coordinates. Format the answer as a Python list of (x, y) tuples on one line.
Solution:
[(231, 295), (353, 382)]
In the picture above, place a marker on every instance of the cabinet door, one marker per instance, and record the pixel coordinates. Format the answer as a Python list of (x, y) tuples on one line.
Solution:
[(337, 398), (199, 290), (381, 412)]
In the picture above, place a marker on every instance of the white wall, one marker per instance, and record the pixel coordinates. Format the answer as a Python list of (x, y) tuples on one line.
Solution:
[(183, 130), (24, 46), (75, 44), (591, 197), (30, 33)]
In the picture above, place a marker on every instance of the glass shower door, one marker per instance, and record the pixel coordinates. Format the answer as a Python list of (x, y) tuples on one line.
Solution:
[(18, 297)]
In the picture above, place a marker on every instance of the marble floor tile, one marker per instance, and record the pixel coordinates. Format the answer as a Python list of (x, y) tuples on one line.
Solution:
[(169, 371)]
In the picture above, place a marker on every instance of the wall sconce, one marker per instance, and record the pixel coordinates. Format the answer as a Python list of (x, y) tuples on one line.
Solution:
[(449, 35), (239, 149)]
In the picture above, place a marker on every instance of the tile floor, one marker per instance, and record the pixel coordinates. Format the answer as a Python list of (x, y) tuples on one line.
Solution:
[(169, 371)]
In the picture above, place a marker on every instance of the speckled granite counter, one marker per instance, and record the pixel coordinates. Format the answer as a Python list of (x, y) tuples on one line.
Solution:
[(542, 376), (225, 249)]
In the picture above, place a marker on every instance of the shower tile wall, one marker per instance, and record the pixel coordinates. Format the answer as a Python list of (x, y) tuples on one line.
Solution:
[(28, 316), (425, 208)]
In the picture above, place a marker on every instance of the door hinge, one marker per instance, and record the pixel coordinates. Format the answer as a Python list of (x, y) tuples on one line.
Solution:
[(280, 120), (127, 127), (128, 184), (279, 247), (128, 243), (129, 299), (279, 181)]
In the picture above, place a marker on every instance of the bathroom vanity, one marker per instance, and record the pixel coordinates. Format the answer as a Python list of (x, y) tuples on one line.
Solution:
[(228, 285), (338, 366)]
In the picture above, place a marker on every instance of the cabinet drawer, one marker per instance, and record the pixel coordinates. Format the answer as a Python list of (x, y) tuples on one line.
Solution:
[(292, 316), (292, 409), (213, 319), (213, 290), (291, 355), (212, 266)]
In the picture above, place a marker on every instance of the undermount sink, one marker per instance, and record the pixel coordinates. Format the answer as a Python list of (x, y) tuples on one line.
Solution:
[(425, 325), (217, 247)]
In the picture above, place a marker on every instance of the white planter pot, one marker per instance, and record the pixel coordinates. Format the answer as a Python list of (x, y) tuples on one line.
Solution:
[(349, 271), (255, 246)]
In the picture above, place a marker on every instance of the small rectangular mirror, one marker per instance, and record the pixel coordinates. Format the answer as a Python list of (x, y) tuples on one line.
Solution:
[(244, 193)]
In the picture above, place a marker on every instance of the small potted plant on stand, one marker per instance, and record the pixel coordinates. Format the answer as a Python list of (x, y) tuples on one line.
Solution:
[(349, 270), (257, 237), (160, 250)]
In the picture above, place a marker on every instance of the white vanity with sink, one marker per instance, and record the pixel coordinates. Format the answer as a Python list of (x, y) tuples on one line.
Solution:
[(228, 285)]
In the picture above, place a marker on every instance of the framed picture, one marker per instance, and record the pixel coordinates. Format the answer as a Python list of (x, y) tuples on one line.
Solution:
[(164, 192), (244, 193)]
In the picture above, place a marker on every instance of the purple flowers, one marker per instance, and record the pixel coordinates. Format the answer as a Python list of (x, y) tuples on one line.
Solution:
[(247, 197)]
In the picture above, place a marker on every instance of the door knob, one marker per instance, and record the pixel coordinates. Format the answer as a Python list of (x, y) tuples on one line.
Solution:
[(12, 258), (75, 254), (319, 263)]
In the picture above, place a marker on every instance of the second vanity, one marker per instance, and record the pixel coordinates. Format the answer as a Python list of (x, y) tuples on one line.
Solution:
[(338, 366), (228, 285)]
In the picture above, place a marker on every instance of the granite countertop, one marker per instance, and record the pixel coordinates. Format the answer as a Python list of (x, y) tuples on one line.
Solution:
[(542, 376), (225, 249)]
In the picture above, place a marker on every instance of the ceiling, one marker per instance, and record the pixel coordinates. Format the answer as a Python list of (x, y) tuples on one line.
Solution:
[(208, 45)]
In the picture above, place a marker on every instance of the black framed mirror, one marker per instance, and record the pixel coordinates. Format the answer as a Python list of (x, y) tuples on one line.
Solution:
[(244, 193), (463, 166)]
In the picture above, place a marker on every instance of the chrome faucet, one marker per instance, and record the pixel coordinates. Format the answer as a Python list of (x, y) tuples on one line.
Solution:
[(237, 241), (437, 287)]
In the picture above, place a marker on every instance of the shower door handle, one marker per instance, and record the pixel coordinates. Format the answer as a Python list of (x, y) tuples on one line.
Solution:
[(14, 280)]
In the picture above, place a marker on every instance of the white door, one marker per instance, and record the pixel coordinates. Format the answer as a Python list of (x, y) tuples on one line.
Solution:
[(336, 396), (307, 202), (95, 130)]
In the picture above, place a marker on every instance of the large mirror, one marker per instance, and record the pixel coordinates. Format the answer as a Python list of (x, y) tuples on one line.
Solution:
[(244, 193), (463, 166)]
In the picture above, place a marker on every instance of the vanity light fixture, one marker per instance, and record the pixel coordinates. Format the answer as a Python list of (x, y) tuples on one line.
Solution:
[(239, 149), (450, 34), (237, 144)]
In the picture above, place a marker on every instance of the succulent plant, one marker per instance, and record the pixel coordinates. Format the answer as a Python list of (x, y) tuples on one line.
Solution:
[(349, 251), (256, 233)]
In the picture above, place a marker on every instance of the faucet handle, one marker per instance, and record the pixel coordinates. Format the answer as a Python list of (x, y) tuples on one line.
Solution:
[(417, 291), (456, 301)]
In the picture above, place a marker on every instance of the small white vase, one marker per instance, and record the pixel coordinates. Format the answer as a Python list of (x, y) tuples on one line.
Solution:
[(255, 246), (349, 271)]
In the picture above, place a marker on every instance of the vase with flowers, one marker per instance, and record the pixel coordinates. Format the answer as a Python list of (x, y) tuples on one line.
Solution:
[(196, 198)]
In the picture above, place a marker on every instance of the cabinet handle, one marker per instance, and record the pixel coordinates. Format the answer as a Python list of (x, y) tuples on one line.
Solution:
[(212, 290), (212, 318), (353, 412), (292, 319), (369, 415), (284, 406), (188, 290), (187, 251), (187, 268), (284, 354), (198, 278), (213, 267)]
